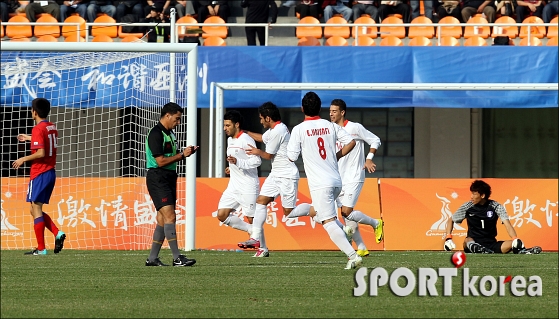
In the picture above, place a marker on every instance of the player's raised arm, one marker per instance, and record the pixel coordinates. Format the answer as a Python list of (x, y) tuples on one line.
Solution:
[(374, 142), (257, 137), (23, 137), (294, 145), (345, 138)]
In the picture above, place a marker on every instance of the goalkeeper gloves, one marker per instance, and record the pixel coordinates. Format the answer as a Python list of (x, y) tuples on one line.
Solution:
[(449, 244)]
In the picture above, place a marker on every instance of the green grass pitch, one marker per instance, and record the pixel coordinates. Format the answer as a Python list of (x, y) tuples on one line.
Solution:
[(116, 284)]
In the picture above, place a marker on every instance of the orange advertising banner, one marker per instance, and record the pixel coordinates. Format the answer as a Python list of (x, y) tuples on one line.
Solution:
[(415, 211), (117, 213)]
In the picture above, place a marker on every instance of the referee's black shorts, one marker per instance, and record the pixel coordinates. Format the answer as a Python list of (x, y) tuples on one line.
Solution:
[(162, 187)]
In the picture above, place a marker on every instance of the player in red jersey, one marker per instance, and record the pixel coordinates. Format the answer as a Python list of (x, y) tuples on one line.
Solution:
[(43, 176)]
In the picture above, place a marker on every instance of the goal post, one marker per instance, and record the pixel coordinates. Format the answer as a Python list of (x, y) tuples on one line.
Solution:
[(221, 87), (102, 129)]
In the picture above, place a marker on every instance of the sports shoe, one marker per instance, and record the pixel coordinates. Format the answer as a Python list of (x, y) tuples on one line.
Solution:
[(362, 252), (251, 243), (476, 248), (262, 253), (379, 231), (531, 251), (155, 262), (354, 263), (182, 261), (59, 241), (36, 252), (348, 230)]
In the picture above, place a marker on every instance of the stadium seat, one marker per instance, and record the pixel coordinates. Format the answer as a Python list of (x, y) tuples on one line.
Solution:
[(363, 41), (552, 30), (1, 30), (448, 41), (509, 31), (110, 31), (182, 29), (53, 30), (218, 31), (453, 31), (315, 32), (214, 41), (417, 31), (533, 40), (535, 31), (391, 41), (21, 39), (368, 31), (102, 38), (420, 42), (475, 42), (69, 29), (308, 42), (74, 38), (47, 38), (552, 41), (477, 31), (336, 41), (123, 35), (399, 32), (131, 38), (18, 31), (331, 31)]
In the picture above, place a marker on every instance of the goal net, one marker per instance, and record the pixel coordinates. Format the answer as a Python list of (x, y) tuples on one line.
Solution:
[(103, 104)]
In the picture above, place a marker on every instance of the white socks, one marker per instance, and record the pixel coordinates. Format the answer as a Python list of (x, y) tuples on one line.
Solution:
[(302, 209), (237, 223), (337, 236), (361, 218), (260, 215), (356, 234)]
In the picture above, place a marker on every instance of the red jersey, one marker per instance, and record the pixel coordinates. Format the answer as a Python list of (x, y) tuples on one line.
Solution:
[(43, 136)]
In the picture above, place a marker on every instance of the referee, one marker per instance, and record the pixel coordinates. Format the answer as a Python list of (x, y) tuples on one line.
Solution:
[(161, 180)]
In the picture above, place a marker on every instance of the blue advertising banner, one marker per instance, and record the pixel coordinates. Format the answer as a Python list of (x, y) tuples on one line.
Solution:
[(145, 80)]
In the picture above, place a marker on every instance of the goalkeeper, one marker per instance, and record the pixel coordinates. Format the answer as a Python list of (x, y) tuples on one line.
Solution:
[(481, 214)]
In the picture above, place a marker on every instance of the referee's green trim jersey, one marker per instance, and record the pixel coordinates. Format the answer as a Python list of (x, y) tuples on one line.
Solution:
[(160, 141)]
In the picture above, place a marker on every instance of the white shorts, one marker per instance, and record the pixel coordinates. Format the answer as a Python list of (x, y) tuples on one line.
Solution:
[(285, 187), (324, 202), (234, 200), (349, 195)]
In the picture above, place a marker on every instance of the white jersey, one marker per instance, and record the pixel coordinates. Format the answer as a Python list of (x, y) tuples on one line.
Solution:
[(244, 174), (276, 140), (316, 139), (351, 165)]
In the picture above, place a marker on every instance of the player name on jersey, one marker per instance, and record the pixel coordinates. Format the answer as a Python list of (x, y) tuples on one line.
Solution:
[(318, 131)]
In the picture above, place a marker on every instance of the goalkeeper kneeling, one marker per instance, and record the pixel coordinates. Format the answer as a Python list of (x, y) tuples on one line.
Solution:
[(481, 214)]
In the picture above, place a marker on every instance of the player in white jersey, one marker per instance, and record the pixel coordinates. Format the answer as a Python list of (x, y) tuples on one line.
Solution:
[(316, 140), (283, 179), (352, 169), (242, 189)]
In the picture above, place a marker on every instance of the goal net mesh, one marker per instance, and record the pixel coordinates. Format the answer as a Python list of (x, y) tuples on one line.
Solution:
[(103, 104)]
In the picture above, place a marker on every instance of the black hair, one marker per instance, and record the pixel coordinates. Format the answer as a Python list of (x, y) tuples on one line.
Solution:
[(271, 110), (233, 116), (481, 187), (171, 108), (311, 104), (339, 103), (41, 106)]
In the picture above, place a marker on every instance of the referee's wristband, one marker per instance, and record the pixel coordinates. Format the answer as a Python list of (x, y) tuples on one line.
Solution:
[(370, 156)]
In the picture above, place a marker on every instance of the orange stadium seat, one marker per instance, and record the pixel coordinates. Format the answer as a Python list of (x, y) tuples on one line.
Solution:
[(47, 38), (331, 31), (475, 42), (315, 32), (417, 31), (18, 31), (552, 30), (219, 31), (214, 41), (74, 38), (477, 31), (420, 42), (123, 35), (131, 38), (102, 38), (552, 41), (510, 31), (21, 39), (182, 29), (531, 41), (399, 32), (308, 42), (364, 41), (368, 31), (53, 30), (453, 31), (535, 31), (108, 30), (69, 30), (336, 41), (448, 41), (391, 41)]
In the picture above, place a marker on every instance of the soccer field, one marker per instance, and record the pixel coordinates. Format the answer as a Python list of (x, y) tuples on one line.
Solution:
[(87, 284)]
